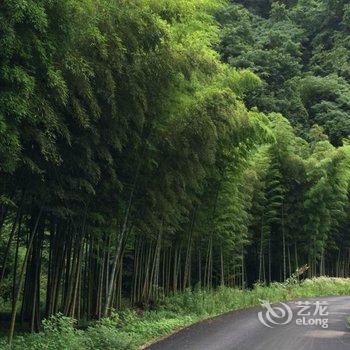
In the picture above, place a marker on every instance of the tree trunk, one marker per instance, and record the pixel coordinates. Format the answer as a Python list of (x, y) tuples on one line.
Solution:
[(112, 279), (21, 278)]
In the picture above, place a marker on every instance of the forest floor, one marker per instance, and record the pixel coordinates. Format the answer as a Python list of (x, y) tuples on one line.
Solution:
[(132, 329)]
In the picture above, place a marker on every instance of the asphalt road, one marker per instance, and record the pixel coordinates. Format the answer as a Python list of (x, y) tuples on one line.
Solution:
[(243, 330)]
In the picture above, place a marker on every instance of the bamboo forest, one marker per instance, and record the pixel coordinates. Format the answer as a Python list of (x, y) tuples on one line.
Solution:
[(152, 148)]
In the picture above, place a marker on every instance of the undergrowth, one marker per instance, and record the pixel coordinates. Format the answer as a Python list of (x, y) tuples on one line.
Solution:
[(130, 330)]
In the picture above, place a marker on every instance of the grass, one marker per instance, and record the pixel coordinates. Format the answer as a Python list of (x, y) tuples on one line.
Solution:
[(130, 330)]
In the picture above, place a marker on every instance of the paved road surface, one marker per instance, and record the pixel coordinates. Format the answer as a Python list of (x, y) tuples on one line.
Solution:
[(242, 330)]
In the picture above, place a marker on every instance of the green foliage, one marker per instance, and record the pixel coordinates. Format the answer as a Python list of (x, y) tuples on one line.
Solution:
[(327, 102), (104, 335), (149, 147), (272, 49), (299, 49), (129, 330), (58, 333)]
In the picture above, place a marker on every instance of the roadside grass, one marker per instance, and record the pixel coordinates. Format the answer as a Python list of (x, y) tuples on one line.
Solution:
[(130, 330)]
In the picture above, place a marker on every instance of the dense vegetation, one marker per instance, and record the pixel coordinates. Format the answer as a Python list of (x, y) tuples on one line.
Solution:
[(129, 329), (148, 147)]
